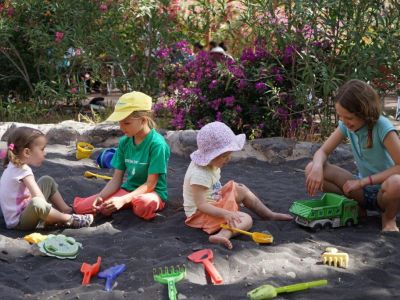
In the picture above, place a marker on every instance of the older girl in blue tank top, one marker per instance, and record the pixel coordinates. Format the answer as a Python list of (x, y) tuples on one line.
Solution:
[(376, 149)]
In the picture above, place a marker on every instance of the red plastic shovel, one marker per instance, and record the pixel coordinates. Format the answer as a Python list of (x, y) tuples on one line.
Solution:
[(90, 270), (205, 257)]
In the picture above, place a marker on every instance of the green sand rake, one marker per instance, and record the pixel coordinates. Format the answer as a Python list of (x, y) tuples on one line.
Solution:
[(170, 276)]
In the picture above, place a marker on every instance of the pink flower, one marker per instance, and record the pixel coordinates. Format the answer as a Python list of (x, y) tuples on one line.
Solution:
[(103, 7), (74, 90), (10, 11), (58, 36), (78, 52)]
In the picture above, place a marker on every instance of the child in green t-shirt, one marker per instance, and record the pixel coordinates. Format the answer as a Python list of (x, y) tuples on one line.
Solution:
[(142, 154)]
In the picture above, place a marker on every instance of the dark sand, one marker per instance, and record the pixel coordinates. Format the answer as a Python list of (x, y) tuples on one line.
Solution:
[(373, 273)]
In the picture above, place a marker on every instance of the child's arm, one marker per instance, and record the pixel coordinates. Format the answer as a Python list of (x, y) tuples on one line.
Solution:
[(392, 145), (115, 203), (199, 197), (32, 186), (314, 180)]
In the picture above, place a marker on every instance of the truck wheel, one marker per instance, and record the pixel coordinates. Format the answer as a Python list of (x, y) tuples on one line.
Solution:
[(349, 223), (317, 227), (328, 225)]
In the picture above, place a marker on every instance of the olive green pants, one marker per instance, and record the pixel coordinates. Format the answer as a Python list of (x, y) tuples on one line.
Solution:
[(38, 208)]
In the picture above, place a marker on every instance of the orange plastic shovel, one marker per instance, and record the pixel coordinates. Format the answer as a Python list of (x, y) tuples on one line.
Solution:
[(90, 270), (205, 256), (258, 237)]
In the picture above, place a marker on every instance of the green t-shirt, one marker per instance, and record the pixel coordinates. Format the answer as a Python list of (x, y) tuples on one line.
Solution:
[(138, 161)]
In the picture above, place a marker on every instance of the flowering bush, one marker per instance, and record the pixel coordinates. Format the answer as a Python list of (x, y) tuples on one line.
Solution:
[(251, 95)]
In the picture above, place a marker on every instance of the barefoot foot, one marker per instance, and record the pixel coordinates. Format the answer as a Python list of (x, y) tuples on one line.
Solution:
[(389, 224), (216, 239)]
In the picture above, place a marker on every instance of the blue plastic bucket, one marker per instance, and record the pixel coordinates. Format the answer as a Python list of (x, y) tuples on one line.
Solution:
[(105, 157)]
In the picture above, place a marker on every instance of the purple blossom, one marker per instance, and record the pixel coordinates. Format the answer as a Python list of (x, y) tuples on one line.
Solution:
[(229, 101), (218, 116), (248, 55), (216, 103), (213, 84), (261, 87), (282, 113), (242, 84), (279, 78), (179, 120), (170, 103), (260, 53), (289, 54), (238, 108), (162, 53), (158, 107)]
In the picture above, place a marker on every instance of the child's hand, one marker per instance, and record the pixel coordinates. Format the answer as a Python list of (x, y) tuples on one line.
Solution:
[(314, 181), (97, 203), (351, 185), (112, 205), (232, 218)]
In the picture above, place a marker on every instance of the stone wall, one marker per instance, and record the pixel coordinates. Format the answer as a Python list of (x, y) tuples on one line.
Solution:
[(275, 150)]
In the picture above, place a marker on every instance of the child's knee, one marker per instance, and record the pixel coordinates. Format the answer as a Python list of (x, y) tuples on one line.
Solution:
[(391, 185), (241, 190), (40, 207), (247, 221), (146, 207)]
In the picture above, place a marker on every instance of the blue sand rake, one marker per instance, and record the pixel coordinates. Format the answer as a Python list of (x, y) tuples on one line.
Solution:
[(170, 276)]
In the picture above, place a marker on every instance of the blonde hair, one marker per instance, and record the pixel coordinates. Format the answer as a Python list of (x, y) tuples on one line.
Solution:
[(360, 99), (147, 115), (19, 139)]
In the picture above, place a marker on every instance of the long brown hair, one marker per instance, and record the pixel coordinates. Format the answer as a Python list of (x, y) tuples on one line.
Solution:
[(19, 139), (360, 99)]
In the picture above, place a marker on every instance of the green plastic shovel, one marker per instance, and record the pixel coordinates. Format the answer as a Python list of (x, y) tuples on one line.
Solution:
[(268, 291)]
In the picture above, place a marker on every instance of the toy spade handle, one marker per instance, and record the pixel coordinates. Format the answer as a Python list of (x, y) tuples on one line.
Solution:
[(212, 271), (300, 286), (109, 283), (86, 278), (172, 289)]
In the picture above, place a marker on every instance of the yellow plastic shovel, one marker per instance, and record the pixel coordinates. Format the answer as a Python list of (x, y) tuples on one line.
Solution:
[(89, 174), (258, 237)]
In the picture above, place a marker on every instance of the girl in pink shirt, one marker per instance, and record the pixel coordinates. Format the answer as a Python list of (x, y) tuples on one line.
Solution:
[(24, 202)]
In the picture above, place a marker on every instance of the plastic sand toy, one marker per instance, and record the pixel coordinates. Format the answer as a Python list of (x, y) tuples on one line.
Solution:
[(90, 270), (205, 257), (110, 275), (60, 246), (105, 158), (330, 211), (258, 237), (89, 174), (35, 237), (334, 258), (83, 150), (268, 291), (170, 276)]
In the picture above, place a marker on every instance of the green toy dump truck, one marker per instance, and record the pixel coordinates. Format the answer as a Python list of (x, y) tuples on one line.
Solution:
[(330, 211)]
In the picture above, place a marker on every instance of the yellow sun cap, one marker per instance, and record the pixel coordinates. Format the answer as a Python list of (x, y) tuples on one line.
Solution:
[(128, 103)]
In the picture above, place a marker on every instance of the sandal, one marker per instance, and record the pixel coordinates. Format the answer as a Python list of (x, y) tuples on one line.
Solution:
[(79, 221)]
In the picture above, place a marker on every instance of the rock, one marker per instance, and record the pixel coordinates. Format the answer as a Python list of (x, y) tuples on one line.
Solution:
[(291, 274), (182, 142), (140, 290), (275, 149)]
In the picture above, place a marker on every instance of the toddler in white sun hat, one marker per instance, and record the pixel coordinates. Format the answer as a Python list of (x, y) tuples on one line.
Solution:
[(206, 202)]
